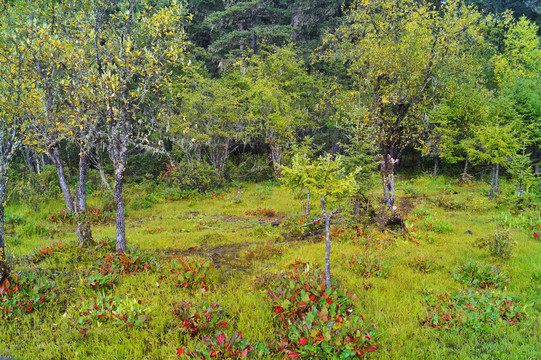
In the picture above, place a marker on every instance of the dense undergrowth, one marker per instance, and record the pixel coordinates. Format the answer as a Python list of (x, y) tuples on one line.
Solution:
[(218, 275)]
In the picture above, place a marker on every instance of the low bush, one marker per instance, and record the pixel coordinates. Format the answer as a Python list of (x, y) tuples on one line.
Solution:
[(25, 293), (200, 320), (499, 244), (267, 212), (479, 275), (264, 251), (470, 310), (423, 264), (366, 264), (307, 315), (195, 175), (120, 312), (93, 215)]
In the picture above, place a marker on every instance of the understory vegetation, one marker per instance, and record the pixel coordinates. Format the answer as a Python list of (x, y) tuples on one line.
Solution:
[(228, 276)]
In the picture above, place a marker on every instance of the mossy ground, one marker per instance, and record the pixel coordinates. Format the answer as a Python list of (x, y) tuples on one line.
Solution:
[(394, 302)]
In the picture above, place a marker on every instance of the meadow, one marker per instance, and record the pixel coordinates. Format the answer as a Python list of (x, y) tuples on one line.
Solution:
[(229, 274)]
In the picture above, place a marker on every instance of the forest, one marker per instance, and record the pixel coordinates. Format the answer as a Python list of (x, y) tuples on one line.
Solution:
[(270, 179)]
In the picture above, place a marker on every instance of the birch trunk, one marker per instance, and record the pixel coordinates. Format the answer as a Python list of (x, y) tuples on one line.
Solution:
[(4, 269), (327, 244), (492, 181), (387, 174), (436, 162), (465, 172), (55, 158), (84, 231), (120, 170)]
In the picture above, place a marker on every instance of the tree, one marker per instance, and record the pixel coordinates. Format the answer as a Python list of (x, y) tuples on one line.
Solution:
[(17, 98), (517, 70), (212, 118), (55, 44), (495, 143), (136, 52), (326, 179), (281, 98), (399, 54)]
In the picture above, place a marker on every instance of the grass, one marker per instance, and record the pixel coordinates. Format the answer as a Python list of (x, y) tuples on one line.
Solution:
[(220, 230)]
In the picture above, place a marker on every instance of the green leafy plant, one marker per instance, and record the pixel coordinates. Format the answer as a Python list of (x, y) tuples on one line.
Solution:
[(500, 244), (93, 215), (264, 251), (200, 320), (480, 275), (25, 293), (268, 212), (423, 264), (470, 310), (366, 264)]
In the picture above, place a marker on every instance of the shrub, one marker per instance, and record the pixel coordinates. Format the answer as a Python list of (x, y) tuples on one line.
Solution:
[(261, 212), (469, 310), (190, 273), (24, 294), (13, 220), (366, 264), (120, 312), (47, 251), (446, 201), (93, 215), (479, 275), (499, 244), (200, 320), (422, 264), (308, 313), (264, 251), (195, 175), (223, 347), (100, 281), (131, 261)]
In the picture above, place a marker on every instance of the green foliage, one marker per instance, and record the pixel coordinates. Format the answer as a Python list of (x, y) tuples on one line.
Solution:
[(264, 251), (423, 264), (324, 177), (480, 275), (25, 293), (500, 244), (190, 176), (471, 310), (93, 215), (366, 264)]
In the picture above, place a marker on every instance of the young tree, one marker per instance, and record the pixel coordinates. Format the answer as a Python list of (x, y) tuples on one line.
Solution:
[(326, 179), (400, 54)]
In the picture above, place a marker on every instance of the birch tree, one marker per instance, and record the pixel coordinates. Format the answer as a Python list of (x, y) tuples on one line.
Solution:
[(399, 54)]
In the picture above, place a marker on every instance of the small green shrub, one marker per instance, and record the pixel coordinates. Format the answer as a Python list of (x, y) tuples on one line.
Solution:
[(13, 220), (480, 275), (24, 294), (93, 215), (195, 175), (264, 251), (422, 264), (366, 264), (200, 320), (470, 310), (499, 244)]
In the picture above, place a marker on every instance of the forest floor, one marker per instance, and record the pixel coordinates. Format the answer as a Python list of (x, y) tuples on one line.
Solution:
[(428, 293)]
